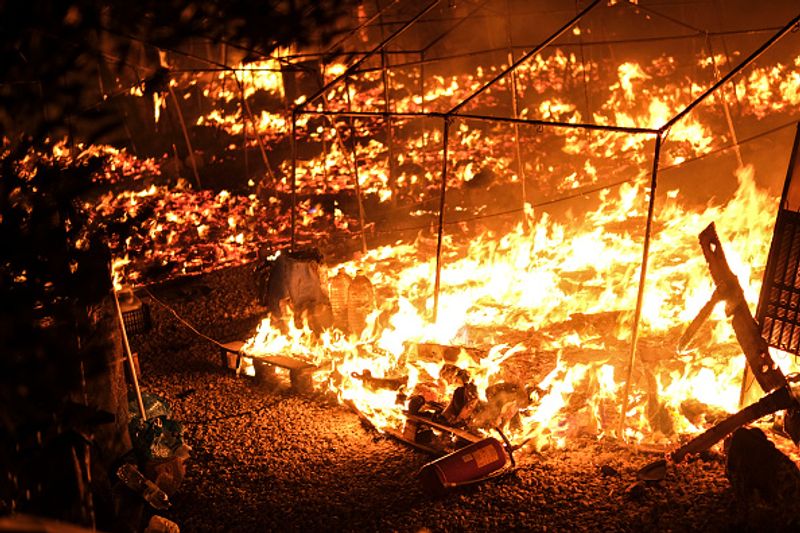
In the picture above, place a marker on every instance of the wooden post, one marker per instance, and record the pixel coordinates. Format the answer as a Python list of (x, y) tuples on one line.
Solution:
[(129, 357)]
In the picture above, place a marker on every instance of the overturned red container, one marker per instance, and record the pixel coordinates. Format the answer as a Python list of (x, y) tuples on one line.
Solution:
[(476, 462)]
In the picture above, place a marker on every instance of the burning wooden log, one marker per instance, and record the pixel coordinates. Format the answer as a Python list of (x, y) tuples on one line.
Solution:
[(775, 401), (379, 383), (428, 351)]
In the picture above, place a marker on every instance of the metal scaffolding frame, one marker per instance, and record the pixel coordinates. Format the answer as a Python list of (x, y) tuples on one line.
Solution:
[(659, 134)]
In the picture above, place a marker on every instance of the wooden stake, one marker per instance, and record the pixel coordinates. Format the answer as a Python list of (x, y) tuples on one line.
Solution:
[(185, 136), (129, 357)]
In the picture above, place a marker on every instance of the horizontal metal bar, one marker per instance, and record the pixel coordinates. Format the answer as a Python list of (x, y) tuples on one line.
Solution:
[(367, 114), (557, 124), (485, 118)]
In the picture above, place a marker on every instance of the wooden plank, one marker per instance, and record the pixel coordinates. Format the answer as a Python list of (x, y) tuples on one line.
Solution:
[(443, 427), (767, 373), (282, 361), (399, 436), (233, 346)]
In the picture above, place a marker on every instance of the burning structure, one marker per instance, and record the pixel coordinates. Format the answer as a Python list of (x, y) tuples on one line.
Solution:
[(504, 202)]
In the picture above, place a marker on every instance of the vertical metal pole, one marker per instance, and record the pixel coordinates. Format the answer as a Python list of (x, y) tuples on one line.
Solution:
[(726, 109), (185, 135), (389, 127), (244, 132), (359, 201), (294, 179), (422, 80), (437, 282), (642, 280), (322, 67), (515, 111)]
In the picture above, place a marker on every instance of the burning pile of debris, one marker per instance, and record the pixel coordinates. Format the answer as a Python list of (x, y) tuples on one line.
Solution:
[(502, 304)]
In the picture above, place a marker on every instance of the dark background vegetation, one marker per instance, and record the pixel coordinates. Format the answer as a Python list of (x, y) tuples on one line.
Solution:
[(61, 417)]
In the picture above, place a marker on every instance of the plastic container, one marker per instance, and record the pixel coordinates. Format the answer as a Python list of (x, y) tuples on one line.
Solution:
[(360, 303)]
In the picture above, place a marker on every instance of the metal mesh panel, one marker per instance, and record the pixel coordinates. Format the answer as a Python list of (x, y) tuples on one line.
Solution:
[(781, 293)]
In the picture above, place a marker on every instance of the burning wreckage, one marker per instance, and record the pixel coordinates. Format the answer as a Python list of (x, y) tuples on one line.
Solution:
[(488, 263)]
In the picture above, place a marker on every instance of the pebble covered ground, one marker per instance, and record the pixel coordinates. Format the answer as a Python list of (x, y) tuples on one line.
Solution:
[(272, 460)]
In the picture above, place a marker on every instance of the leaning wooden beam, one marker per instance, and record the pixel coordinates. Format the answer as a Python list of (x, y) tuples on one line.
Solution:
[(755, 349), (777, 400), (129, 358), (698, 321)]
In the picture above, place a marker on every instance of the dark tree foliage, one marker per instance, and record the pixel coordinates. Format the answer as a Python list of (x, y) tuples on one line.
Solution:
[(54, 264)]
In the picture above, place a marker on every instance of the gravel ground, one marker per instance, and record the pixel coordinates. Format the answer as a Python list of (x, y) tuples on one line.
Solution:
[(275, 461)]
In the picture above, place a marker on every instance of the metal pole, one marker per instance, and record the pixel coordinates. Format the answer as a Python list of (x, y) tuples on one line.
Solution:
[(642, 279), (389, 128), (581, 126), (259, 140), (741, 66), (325, 120), (129, 357), (185, 135), (294, 180), (515, 112), (422, 80), (458, 23), (372, 52), (244, 134), (726, 108), (487, 118), (437, 282), (355, 170), (541, 46)]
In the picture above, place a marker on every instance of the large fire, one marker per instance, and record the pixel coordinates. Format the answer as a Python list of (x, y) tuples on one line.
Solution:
[(540, 310)]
